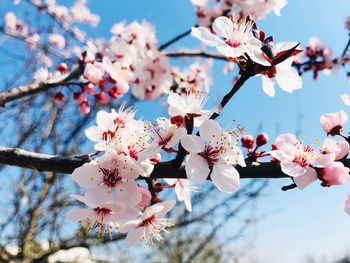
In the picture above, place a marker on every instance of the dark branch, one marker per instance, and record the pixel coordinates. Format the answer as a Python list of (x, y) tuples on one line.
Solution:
[(165, 45), (66, 165), (37, 87)]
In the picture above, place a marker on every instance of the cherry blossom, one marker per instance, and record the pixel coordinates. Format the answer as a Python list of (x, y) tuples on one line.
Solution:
[(149, 225), (298, 160), (238, 38), (332, 123), (165, 136), (111, 171), (103, 218), (287, 77), (94, 72), (334, 174), (217, 148), (183, 190), (345, 98), (57, 40)]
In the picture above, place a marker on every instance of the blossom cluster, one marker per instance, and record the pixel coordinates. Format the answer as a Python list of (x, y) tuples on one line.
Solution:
[(131, 147), (240, 39), (207, 11)]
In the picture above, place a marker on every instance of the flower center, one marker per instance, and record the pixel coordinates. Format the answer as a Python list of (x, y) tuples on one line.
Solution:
[(110, 177), (108, 135), (210, 155)]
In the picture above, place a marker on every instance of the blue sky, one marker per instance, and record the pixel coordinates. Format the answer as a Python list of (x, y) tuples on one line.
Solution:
[(298, 223)]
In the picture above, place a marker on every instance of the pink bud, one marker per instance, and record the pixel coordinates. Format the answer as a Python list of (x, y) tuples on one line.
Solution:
[(335, 174), (62, 68), (101, 97), (332, 122), (113, 93), (247, 141), (262, 139), (84, 107), (79, 97), (89, 88), (94, 72), (146, 197), (58, 97)]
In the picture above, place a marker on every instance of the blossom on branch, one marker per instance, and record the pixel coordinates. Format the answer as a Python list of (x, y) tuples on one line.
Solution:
[(214, 148), (149, 225), (238, 38)]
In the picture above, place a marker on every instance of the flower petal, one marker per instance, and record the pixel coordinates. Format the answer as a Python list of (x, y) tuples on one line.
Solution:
[(288, 79), (292, 169), (307, 178), (204, 35), (223, 26), (79, 214), (209, 130), (134, 236), (197, 169), (128, 193), (192, 143), (268, 86), (225, 177)]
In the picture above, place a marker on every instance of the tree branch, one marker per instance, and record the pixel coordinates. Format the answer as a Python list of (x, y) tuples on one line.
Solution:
[(37, 87), (66, 165), (165, 45), (194, 53)]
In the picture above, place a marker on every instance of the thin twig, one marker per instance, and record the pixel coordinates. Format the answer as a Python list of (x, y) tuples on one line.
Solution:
[(165, 45)]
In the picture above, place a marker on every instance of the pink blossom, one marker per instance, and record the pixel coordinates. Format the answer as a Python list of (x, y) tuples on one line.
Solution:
[(10, 21), (183, 190), (57, 40), (104, 218), (339, 149), (334, 174), (149, 225), (238, 39), (298, 160), (213, 148), (94, 72), (286, 77), (332, 123), (111, 171), (165, 136)]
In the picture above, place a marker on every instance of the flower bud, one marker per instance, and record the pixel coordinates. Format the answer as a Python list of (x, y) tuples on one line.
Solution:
[(101, 97), (58, 97), (262, 139), (335, 174), (79, 97), (248, 141), (84, 107), (94, 72), (62, 68), (177, 120), (89, 88)]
